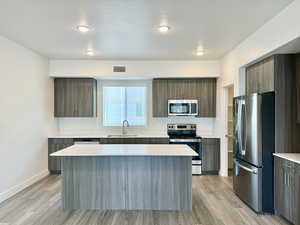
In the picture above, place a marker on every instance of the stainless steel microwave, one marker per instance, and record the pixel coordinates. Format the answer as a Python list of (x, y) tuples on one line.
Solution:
[(183, 107)]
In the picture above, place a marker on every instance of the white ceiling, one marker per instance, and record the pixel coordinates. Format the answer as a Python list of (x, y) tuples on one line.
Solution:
[(127, 29)]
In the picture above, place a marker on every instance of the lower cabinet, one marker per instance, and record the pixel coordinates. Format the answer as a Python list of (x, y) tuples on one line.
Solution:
[(287, 189), (210, 155), (54, 145)]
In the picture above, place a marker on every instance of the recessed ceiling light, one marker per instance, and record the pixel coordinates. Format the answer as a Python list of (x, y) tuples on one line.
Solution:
[(83, 28), (164, 28), (199, 53), (90, 53)]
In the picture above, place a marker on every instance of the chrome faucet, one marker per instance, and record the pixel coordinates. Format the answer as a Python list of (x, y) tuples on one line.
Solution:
[(123, 127)]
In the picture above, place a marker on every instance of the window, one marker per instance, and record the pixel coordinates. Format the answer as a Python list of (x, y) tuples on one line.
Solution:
[(124, 103)]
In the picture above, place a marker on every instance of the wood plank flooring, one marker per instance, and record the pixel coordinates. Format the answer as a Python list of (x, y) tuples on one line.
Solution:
[(214, 203)]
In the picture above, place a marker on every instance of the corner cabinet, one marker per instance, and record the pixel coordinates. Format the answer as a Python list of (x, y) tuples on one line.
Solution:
[(202, 89), (287, 189), (75, 97), (210, 155)]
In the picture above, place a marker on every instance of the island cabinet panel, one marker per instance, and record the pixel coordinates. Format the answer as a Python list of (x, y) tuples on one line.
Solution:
[(287, 189), (155, 183), (75, 97), (94, 183), (210, 155), (54, 145), (127, 183), (202, 89)]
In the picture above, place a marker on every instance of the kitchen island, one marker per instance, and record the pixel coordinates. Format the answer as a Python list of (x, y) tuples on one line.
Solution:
[(126, 177)]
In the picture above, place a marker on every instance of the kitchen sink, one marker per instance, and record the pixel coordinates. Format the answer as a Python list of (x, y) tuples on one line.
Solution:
[(121, 135)]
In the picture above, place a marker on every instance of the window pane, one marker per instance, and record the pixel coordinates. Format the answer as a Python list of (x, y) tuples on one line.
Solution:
[(135, 113), (120, 103), (113, 106)]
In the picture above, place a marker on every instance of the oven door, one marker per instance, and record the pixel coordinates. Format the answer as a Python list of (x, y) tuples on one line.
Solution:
[(194, 144)]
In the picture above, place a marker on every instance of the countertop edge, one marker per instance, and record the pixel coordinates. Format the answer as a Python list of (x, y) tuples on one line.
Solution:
[(289, 156)]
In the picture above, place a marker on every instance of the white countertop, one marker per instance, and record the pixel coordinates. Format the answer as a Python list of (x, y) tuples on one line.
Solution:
[(126, 150), (294, 157), (106, 136), (138, 136)]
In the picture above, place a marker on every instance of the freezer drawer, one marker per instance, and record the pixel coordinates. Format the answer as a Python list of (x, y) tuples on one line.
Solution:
[(247, 184)]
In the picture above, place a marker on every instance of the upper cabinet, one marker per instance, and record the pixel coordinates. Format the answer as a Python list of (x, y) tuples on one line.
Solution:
[(202, 89), (159, 98), (75, 97), (260, 77)]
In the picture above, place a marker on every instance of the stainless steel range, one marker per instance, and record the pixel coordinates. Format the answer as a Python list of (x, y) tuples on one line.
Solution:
[(186, 134)]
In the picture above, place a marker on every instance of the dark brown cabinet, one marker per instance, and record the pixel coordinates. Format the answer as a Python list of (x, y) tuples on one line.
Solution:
[(287, 189), (210, 155), (206, 94), (54, 145), (202, 89), (75, 97), (297, 71), (260, 77), (160, 98)]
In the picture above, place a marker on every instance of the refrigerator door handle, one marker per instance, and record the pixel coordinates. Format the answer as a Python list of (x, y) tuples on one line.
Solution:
[(245, 168)]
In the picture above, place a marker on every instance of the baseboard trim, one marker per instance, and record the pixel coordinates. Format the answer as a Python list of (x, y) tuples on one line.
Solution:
[(19, 187)]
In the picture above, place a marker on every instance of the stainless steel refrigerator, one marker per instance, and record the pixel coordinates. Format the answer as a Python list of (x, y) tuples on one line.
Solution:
[(254, 137)]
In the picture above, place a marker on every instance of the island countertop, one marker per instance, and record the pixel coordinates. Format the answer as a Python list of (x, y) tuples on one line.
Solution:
[(126, 150)]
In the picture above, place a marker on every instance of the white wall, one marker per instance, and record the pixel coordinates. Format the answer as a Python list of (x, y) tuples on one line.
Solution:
[(135, 69), (280, 30), (26, 101)]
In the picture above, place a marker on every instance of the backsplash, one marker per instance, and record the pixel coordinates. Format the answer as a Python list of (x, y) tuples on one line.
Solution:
[(155, 126)]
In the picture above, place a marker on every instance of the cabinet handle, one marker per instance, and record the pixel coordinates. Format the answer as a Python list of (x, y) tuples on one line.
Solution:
[(284, 179)]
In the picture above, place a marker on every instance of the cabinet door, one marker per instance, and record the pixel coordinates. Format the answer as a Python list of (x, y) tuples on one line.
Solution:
[(64, 105), (181, 89), (75, 97), (296, 195), (160, 98), (252, 79), (279, 186), (210, 155), (84, 95), (54, 145), (297, 65), (284, 185), (260, 77), (267, 77), (206, 95)]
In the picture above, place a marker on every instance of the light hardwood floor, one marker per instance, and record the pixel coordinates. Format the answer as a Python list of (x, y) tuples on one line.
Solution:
[(214, 203)]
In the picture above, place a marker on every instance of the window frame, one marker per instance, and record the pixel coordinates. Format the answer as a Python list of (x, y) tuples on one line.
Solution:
[(125, 84)]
